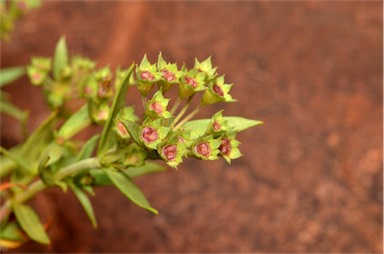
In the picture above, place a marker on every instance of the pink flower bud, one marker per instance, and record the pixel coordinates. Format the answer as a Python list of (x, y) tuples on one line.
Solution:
[(217, 89), (225, 147), (149, 134), (168, 75), (122, 129), (146, 75), (157, 107), (216, 126), (191, 81), (203, 148), (170, 152)]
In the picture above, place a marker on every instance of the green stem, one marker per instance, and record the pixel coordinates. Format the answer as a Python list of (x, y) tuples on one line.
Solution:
[(39, 185), (188, 117), (176, 105), (182, 112)]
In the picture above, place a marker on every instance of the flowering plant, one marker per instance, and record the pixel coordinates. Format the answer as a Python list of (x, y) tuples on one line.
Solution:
[(128, 145)]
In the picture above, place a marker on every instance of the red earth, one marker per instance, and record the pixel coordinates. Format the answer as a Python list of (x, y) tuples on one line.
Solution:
[(311, 179)]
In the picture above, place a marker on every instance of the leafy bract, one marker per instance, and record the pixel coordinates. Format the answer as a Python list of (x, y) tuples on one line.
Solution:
[(237, 124)]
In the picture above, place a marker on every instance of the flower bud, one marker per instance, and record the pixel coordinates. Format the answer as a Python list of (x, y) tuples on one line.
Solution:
[(152, 133), (146, 75), (157, 106), (229, 147), (172, 152), (218, 124), (207, 148), (190, 83), (206, 68), (217, 91)]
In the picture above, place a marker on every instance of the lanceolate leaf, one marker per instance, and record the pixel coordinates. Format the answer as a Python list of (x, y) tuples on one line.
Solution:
[(118, 104), (30, 223), (10, 74), (60, 59), (85, 202), (100, 177), (40, 136), (13, 111), (88, 147), (134, 131), (75, 123), (198, 127), (125, 184)]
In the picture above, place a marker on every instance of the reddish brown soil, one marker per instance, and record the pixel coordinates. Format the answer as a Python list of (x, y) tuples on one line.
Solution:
[(311, 179)]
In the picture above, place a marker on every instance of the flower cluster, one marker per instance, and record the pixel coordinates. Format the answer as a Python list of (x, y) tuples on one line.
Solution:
[(164, 133)]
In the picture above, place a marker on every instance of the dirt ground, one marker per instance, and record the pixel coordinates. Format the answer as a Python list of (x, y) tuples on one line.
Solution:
[(311, 179)]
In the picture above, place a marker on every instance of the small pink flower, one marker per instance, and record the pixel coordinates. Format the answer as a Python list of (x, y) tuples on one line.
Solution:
[(122, 129), (225, 147), (217, 89), (216, 126), (168, 75), (149, 134), (191, 81), (170, 152), (204, 149), (157, 107), (146, 75)]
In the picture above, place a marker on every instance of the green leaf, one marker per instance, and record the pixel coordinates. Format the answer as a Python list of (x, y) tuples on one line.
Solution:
[(198, 127), (77, 122), (10, 74), (13, 111), (55, 153), (60, 60), (12, 231), (17, 159), (118, 104), (125, 184), (85, 202), (43, 134), (30, 223), (134, 131), (88, 147)]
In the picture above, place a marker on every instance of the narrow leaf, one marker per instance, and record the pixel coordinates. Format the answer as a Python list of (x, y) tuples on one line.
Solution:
[(17, 159), (40, 136), (88, 147), (125, 184), (10, 74), (100, 178), (85, 202), (30, 223), (60, 59), (13, 111), (77, 122), (118, 104), (134, 131)]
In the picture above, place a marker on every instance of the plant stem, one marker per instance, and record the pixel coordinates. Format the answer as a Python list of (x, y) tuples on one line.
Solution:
[(188, 117), (39, 185), (182, 112), (176, 105)]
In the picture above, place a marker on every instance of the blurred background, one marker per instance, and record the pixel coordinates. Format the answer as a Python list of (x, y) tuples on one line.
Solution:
[(311, 177)]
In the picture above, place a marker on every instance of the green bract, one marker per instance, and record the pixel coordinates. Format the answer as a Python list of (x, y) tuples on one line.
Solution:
[(217, 91), (206, 67)]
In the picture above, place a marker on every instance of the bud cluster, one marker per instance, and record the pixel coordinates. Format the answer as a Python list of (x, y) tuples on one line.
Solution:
[(163, 133)]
